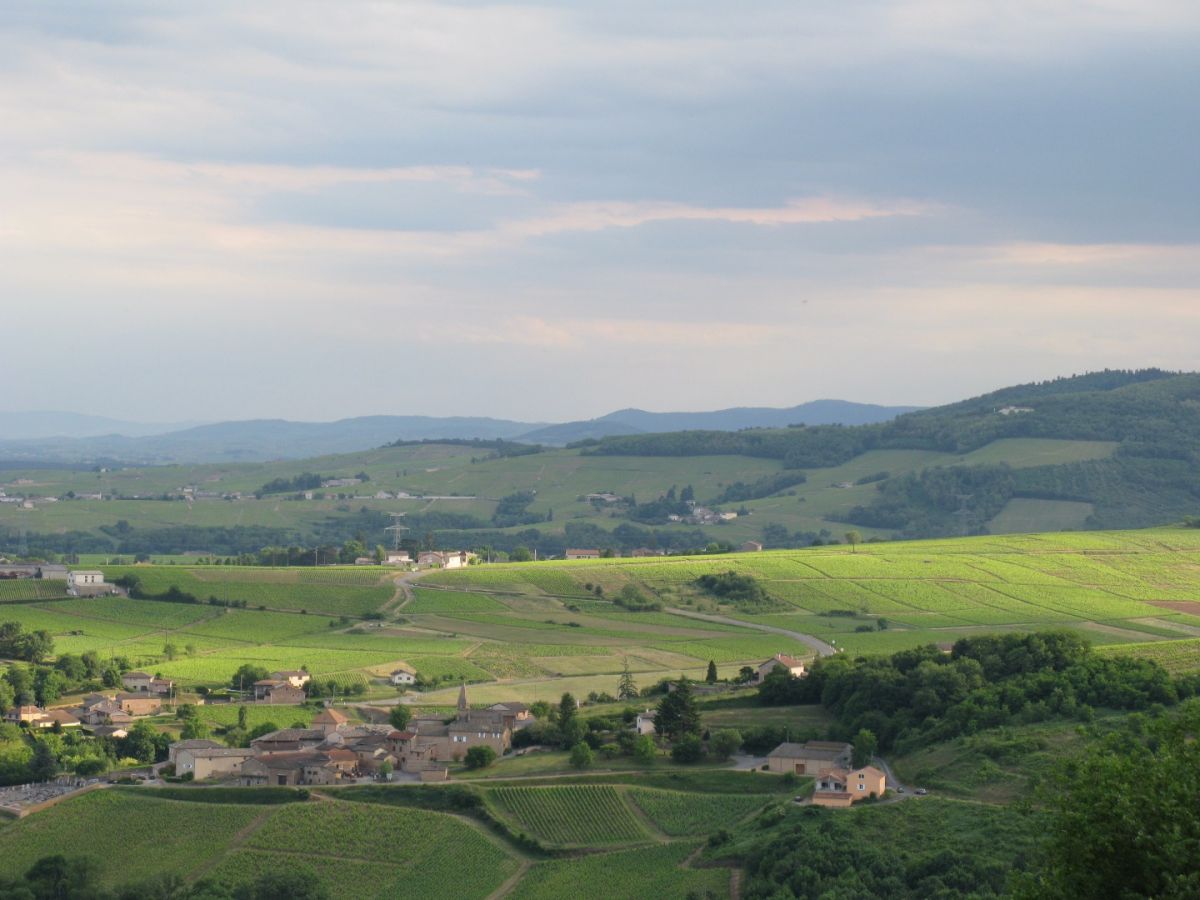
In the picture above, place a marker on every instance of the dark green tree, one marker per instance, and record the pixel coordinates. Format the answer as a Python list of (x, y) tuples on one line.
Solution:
[(399, 716), (677, 714), (711, 675), (479, 757), (627, 688), (865, 747)]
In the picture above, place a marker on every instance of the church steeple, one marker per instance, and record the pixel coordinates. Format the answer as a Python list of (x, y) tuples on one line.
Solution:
[(462, 699)]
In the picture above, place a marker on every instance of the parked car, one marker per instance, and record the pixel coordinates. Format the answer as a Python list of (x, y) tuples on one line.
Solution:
[(921, 791)]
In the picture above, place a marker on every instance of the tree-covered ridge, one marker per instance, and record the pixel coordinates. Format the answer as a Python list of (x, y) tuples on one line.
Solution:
[(1155, 413), (1152, 416), (925, 694)]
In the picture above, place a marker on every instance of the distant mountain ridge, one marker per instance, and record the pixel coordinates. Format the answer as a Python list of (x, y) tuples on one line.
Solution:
[(639, 421), (263, 439), (43, 424)]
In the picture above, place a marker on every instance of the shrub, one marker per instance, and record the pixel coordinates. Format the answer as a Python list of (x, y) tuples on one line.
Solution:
[(688, 749), (480, 757)]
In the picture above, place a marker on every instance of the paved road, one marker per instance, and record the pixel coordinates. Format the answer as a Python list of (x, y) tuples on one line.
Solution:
[(820, 647), (893, 783)]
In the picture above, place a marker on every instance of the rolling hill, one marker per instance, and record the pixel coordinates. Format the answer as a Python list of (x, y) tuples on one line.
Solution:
[(1107, 450), (68, 437)]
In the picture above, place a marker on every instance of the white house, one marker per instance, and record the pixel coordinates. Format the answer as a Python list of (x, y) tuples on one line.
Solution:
[(400, 676), (85, 581), (645, 722), (573, 553), (397, 558)]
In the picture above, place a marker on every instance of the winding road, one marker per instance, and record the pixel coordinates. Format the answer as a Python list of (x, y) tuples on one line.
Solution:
[(818, 646)]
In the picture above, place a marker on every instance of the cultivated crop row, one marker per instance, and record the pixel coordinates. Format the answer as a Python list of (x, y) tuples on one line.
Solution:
[(579, 815)]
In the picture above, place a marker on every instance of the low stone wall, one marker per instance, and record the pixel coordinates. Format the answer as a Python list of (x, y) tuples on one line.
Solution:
[(25, 800)]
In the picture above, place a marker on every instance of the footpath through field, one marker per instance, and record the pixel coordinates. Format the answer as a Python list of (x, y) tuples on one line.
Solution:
[(820, 647)]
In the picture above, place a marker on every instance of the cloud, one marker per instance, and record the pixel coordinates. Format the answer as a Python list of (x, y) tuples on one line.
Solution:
[(853, 198)]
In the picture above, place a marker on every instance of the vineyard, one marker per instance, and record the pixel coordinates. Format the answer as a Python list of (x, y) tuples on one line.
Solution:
[(1114, 587), (1177, 657), (579, 815), (678, 813), (660, 872), (154, 836), (22, 590), (338, 591)]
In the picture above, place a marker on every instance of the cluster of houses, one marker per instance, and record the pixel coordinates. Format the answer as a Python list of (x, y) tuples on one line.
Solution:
[(333, 750), (426, 559), (44, 571), (102, 714)]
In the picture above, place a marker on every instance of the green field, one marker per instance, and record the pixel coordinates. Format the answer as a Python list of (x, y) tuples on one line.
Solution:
[(339, 591), (660, 872), (354, 849), (1111, 586)]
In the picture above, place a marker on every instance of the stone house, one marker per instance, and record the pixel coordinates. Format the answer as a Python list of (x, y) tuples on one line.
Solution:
[(192, 744), (812, 758), (138, 704), (288, 739), (793, 665), (211, 762), (140, 682), (278, 691)]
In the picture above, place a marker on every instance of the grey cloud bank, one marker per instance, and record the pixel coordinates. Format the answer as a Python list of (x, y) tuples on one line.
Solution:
[(325, 210)]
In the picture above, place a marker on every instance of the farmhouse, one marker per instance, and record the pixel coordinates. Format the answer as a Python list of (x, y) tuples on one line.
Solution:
[(574, 553), (751, 547), (644, 723), (138, 704), (210, 762), (195, 744), (401, 676), (812, 758), (444, 559), (397, 558), (288, 739), (36, 717), (295, 677), (86, 582), (839, 787), (140, 682), (277, 691), (108, 712), (330, 720), (794, 666)]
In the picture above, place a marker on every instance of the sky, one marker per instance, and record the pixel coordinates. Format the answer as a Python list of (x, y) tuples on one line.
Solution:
[(547, 211)]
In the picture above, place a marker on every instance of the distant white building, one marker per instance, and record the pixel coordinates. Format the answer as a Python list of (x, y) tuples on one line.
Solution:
[(397, 558), (400, 676), (86, 581), (1014, 410), (574, 553), (645, 722)]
